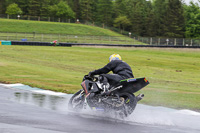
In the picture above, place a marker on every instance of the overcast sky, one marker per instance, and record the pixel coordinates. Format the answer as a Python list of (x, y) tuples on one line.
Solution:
[(188, 1)]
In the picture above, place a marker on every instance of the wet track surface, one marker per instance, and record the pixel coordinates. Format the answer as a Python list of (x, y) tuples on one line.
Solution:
[(25, 111)]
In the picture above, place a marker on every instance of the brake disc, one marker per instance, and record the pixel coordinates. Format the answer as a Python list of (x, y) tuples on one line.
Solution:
[(76, 101)]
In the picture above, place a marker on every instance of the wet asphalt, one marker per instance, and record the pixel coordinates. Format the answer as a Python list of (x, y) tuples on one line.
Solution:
[(23, 111)]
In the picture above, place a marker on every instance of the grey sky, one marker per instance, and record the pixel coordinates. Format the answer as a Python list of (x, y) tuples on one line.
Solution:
[(188, 1)]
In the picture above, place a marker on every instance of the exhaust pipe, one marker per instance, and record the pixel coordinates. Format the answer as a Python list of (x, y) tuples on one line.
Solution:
[(139, 97)]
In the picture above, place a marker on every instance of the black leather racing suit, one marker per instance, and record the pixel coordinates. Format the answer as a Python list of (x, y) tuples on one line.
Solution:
[(121, 70)]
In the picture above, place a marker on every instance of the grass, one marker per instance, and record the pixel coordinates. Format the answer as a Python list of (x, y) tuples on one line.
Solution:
[(12, 25), (15, 30), (69, 38), (174, 74)]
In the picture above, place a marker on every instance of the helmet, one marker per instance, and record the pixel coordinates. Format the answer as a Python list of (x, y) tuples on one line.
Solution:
[(115, 57)]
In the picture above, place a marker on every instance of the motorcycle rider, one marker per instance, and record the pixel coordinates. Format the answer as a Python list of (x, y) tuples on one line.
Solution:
[(121, 70)]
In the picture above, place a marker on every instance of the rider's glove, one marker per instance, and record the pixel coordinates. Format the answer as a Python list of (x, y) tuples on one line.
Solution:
[(91, 74)]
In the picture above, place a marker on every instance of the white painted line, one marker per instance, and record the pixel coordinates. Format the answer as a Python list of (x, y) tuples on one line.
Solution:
[(12, 85), (188, 112)]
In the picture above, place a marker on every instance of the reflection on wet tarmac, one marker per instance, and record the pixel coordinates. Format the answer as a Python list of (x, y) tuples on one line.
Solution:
[(45, 101), (143, 114)]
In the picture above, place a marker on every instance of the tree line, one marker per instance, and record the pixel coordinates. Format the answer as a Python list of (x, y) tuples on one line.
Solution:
[(155, 18)]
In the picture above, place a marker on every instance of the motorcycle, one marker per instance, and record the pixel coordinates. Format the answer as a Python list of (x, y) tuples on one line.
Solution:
[(119, 99)]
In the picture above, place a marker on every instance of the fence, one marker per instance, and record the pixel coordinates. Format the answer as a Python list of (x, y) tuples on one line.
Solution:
[(64, 38), (56, 19), (169, 41), (37, 18), (133, 39), (63, 20)]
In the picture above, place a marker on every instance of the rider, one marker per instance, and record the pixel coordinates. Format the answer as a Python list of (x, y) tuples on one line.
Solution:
[(121, 70)]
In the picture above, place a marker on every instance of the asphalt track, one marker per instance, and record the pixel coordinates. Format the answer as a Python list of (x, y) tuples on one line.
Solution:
[(24, 111)]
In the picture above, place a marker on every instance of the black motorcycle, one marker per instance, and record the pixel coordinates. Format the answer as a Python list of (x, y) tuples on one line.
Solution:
[(119, 99)]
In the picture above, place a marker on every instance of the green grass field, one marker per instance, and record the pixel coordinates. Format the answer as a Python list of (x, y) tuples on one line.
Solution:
[(174, 74), (12, 25), (15, 30)]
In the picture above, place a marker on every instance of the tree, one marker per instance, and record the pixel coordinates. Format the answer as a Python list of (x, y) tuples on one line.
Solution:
[(159, 10), (94, 9), (34, 9), (192, 24), (2, 6), (149, 20), (120, 8), (104, 12), (174, 21), (64, 11), (122, 22), (86, 9), (169, 18), (45, 7), (76, 8), (135, 9), (53, 10), (164, 18), (24, 5), (70, 3), (13, 9)]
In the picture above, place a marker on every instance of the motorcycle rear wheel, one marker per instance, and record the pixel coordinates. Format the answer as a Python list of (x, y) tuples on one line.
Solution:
[(129, 105)]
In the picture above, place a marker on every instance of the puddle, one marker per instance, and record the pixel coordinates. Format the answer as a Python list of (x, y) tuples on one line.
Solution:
[(143, 114), (52, 102)]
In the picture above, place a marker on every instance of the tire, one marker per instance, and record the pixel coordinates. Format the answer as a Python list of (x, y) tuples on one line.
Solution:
[(76, 102), (129, 105)]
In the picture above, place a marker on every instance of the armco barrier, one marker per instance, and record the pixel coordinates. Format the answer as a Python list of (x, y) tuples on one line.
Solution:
[(38, 43), (109, 45)]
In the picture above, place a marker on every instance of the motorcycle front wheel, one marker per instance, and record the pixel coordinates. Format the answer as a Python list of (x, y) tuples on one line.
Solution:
[(76, 102)]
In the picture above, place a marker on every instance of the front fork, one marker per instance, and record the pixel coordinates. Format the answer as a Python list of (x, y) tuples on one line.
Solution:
[(85, 101)]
